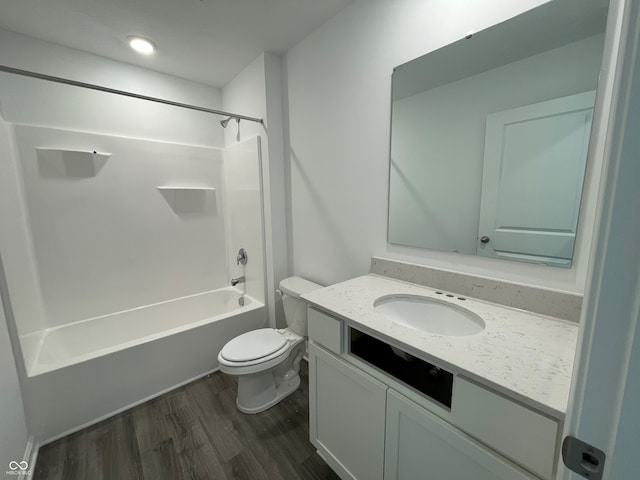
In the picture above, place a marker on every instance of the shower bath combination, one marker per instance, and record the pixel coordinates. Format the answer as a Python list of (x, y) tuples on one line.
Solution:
[(108, 324)]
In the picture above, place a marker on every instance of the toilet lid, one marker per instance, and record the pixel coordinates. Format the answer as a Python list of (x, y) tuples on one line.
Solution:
[(253, 345)]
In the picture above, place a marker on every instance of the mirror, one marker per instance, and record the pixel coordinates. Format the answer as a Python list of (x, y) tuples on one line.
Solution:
[(490, 134)]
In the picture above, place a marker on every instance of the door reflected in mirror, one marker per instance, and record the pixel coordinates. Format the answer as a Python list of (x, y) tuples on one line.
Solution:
[(490, 137)]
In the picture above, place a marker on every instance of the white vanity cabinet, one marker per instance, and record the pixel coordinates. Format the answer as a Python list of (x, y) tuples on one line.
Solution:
[(347, 416), (369, 426)]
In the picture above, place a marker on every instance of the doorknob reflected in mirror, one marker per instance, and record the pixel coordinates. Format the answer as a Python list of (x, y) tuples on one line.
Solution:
[(484, 239)]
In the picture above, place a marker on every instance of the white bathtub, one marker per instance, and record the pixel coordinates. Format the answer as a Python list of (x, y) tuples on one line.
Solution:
[(80, 341), (88, 370)]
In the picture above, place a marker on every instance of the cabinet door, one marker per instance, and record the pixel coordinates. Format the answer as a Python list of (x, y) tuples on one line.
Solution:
[(346, 416), (419, 445)]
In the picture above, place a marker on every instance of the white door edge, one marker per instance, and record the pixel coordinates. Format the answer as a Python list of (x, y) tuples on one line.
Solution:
[(611, 306)]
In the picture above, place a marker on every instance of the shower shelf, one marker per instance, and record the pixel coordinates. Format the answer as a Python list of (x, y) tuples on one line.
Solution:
[(87, 154), (56, 162), (187, 188), (186, 200)]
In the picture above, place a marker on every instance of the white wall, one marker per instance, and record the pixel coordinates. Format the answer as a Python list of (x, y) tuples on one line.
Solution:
[(13, 429), (257, 92), (437, 145), (339, 86)]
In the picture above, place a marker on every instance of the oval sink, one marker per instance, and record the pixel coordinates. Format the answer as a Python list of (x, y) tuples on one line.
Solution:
[(429, 315)]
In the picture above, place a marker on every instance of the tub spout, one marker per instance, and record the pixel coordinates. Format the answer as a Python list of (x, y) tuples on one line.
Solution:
[(235, 281)]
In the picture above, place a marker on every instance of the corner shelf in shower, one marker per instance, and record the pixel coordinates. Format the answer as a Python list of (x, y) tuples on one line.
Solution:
[(58, 162), (189, 200)]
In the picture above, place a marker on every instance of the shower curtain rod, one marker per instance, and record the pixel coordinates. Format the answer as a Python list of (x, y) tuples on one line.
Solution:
[(90, 86)]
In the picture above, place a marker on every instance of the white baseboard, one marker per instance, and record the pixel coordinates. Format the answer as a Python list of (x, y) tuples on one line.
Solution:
[(123, 409), (30, 456)]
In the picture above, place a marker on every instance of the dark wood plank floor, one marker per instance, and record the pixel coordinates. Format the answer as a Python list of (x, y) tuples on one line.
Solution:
[(194, 432)]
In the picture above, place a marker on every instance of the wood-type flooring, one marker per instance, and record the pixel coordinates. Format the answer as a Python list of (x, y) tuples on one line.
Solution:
[(194, 432)]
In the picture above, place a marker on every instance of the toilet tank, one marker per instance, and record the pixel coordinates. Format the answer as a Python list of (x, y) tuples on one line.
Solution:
[(295, 309)]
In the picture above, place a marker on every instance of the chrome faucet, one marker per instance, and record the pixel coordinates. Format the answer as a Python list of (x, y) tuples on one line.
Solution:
[(235, 281), (242, 257)]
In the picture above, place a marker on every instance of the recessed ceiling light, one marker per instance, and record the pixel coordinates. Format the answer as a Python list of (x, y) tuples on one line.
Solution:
[(141, 45)]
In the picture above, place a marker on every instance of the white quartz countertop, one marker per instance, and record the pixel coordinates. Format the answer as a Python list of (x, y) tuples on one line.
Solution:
[(526, 356)]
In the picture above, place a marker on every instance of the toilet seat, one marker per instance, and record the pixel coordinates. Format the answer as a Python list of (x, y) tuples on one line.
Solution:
[(254, 347)]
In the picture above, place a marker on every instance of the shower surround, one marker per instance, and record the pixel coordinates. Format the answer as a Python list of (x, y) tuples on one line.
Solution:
[(117, 255)]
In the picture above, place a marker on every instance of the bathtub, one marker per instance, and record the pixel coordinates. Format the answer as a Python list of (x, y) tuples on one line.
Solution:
[(83, 372)]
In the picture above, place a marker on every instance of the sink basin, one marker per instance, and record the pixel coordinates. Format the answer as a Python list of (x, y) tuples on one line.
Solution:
[(429, 315)]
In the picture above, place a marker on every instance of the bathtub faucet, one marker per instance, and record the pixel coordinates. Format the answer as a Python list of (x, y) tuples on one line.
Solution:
[(242, 257), (235, 281)]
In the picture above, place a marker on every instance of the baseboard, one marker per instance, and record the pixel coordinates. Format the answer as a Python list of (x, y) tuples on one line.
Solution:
[(124, 409), (30, 456)]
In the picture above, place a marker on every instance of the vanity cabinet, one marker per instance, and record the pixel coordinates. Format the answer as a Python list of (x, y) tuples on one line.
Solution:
[(367, 425)]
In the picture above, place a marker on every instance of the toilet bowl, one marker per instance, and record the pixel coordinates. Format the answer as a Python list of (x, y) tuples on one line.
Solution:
[(267, 361)]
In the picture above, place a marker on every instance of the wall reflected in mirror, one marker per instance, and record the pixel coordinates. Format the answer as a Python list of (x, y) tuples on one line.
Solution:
[(490, 137)]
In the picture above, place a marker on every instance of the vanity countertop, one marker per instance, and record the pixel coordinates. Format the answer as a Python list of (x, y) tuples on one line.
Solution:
[(526, 356)]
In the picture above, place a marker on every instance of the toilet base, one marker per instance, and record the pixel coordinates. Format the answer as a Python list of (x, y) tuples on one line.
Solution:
[(262, 385), (257, 393)]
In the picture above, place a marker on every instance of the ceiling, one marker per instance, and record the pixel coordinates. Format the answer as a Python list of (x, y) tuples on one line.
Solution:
[(209, 41)]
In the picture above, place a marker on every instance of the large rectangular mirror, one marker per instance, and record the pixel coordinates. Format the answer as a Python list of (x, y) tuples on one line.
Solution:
[(490, 134)]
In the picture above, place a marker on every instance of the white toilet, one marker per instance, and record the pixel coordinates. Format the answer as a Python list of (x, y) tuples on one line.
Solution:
[(267, 361)]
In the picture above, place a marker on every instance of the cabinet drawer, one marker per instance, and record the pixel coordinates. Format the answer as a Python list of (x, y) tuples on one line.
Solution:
[(325, 330), (525, 436)]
